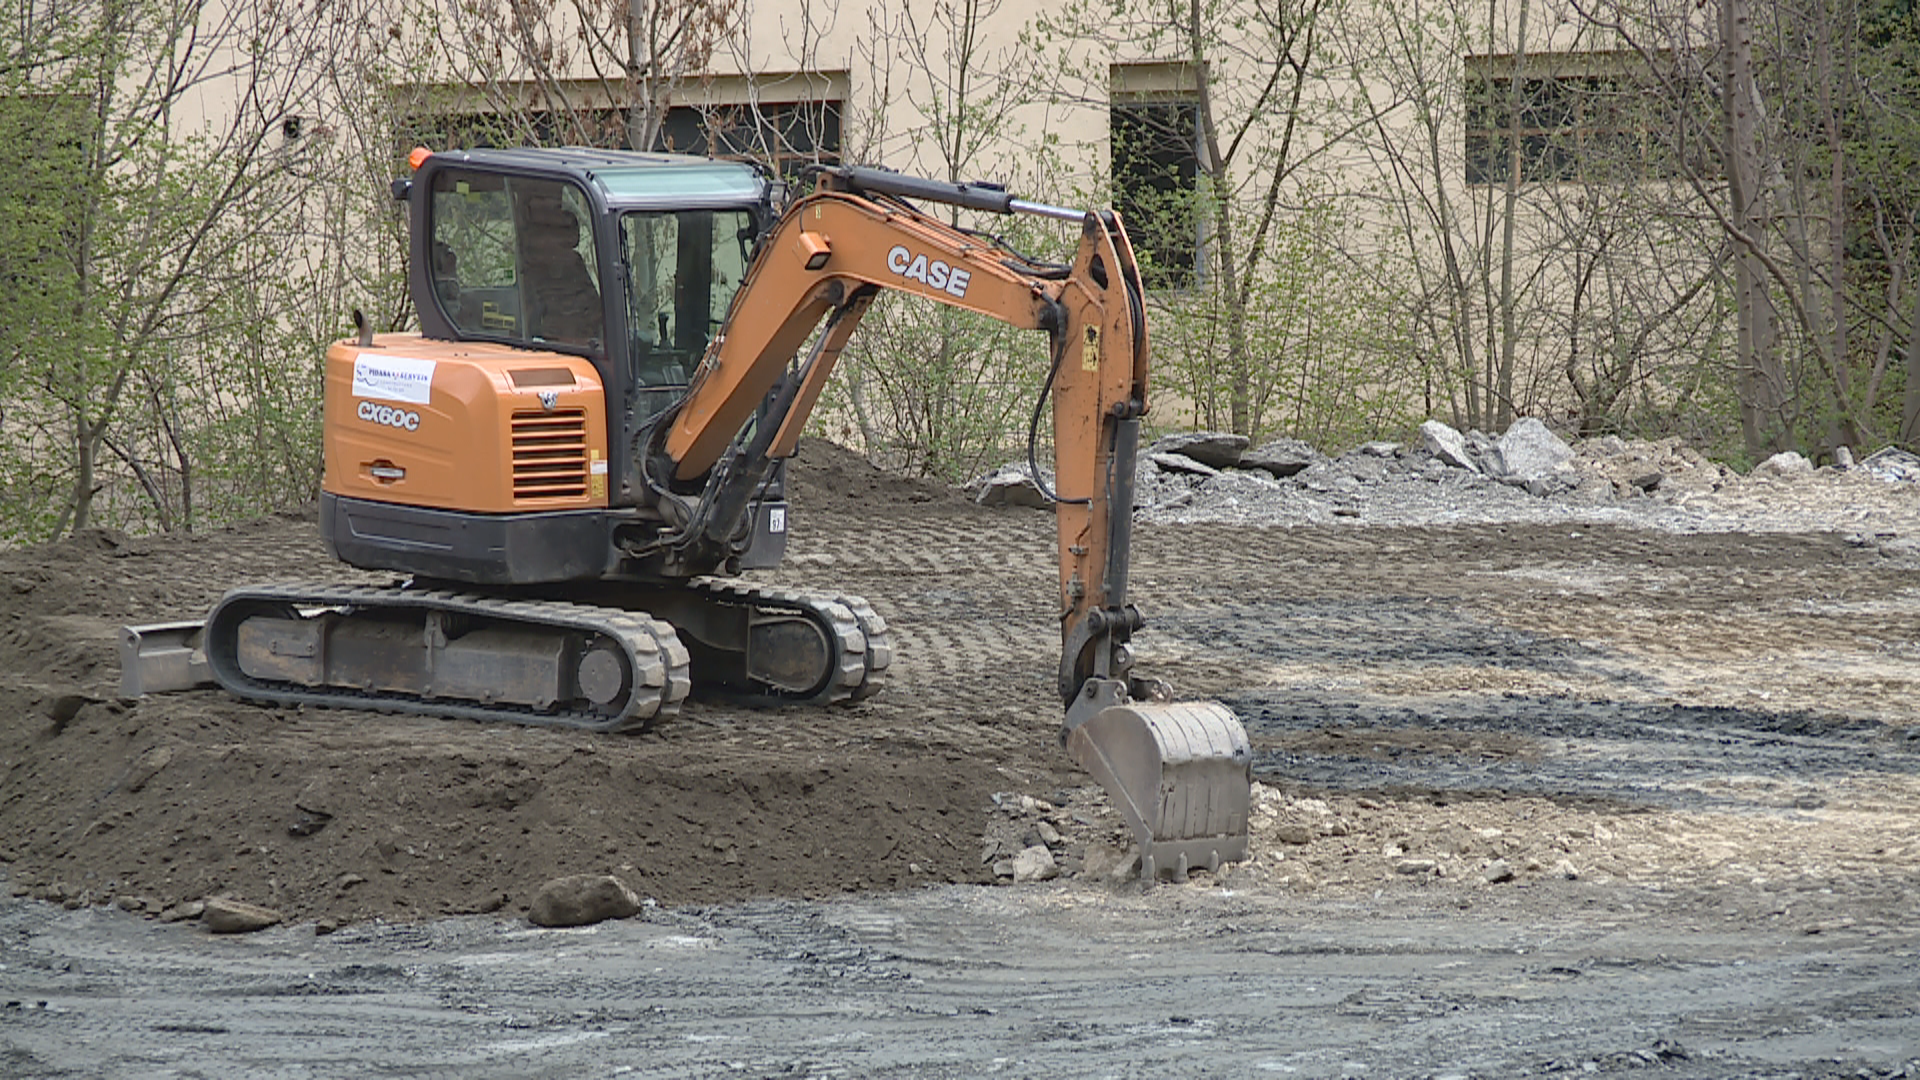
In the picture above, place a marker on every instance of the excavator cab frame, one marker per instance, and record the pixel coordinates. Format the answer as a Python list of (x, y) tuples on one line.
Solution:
[(645, 371)]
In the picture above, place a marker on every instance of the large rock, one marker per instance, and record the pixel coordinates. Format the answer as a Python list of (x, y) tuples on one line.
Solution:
[(1783, 466), (1215, 448), (1281, 457), (1530, 451), (1010, 485), (226, 916), (1448, 445), (582, 900), (1035, 864)]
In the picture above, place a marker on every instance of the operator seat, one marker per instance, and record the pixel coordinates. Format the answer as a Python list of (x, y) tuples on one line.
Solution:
[(562, 302)]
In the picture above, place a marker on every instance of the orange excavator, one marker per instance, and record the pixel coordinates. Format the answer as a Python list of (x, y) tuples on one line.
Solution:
[(584, 446)]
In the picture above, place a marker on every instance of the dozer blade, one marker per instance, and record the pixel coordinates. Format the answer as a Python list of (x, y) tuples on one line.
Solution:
[(159, 657), (1181, 774)]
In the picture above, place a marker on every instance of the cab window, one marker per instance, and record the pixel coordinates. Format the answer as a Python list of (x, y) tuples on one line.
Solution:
[(683, 269), (512, 259)]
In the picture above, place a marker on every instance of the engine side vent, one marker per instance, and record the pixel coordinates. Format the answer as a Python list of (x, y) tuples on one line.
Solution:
[(550, 454)]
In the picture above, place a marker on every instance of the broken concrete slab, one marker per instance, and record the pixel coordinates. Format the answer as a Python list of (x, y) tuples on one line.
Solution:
[(1219, 449), (1280, 458), (1447, 445)]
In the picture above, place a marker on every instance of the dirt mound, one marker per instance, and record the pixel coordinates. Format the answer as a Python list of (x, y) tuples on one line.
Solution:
[(828, 475), (349, 815)]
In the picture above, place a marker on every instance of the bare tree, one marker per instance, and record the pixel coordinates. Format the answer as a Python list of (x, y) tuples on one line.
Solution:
[(1253, 110), (585, 72), (173, 124), (1794, 171)]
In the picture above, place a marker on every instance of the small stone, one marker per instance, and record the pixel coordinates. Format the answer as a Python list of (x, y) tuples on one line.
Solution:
[(1566, 869), (1497, 871), (148, 766), (1034, 864), (1415, 866), (1447, 445), (224, 915), (324, 927), (130, 903), (1010, 486), (1784, 465), (1003, 868), (1181, 463), (1049, 835), (582, 900), (63, 709)]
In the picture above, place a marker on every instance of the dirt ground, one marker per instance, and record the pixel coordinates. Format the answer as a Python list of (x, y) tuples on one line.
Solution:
[(1714, 726)]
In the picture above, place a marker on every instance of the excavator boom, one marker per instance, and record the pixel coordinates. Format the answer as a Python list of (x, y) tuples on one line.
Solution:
[(1180, 773)]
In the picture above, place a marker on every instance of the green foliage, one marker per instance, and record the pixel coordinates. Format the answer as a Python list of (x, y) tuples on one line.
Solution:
[(1321, 369), (936, 391), (173, 284)]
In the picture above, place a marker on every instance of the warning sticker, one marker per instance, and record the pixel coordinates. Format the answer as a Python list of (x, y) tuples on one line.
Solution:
[(393, 378)]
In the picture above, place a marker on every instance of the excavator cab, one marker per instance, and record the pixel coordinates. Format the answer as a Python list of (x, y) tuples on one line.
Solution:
[(630, 261)]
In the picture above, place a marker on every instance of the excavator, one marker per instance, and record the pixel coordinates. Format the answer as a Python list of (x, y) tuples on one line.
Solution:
[(571, 463)]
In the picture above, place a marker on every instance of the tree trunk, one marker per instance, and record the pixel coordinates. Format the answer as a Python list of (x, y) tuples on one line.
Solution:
[(643, 110), (1500, 393), (1762, 382)]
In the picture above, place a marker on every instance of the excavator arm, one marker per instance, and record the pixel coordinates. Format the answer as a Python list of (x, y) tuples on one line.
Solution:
[(1180, 772)]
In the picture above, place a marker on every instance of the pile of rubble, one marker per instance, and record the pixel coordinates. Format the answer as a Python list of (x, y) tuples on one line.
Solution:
[(1527, 474)]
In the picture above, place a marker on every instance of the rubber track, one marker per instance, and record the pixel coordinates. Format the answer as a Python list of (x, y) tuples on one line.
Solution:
[(654, 653), (863, 649)]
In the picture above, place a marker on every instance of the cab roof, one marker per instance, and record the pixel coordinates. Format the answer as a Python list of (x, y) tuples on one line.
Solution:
[(626, 179)]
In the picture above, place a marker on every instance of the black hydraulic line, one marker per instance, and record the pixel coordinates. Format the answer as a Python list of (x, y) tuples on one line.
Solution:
[(1033, 425), (975, 196), (1120, 481)]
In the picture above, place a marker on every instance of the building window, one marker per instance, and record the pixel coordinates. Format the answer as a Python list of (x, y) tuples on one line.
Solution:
[(785, 135), (782, 121), (1568, 117), (1153, 120)]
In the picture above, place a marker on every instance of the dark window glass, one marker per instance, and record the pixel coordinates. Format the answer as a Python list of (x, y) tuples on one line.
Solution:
[(1155, 171), (512, 259)]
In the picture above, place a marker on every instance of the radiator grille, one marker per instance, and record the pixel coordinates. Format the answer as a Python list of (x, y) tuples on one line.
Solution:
[(550, 454)]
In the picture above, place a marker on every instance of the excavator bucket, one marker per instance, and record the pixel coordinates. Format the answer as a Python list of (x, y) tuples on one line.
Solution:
[(1181, 774)]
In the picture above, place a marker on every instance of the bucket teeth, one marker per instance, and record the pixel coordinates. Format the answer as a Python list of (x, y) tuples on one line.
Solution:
[(1181, 774)]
